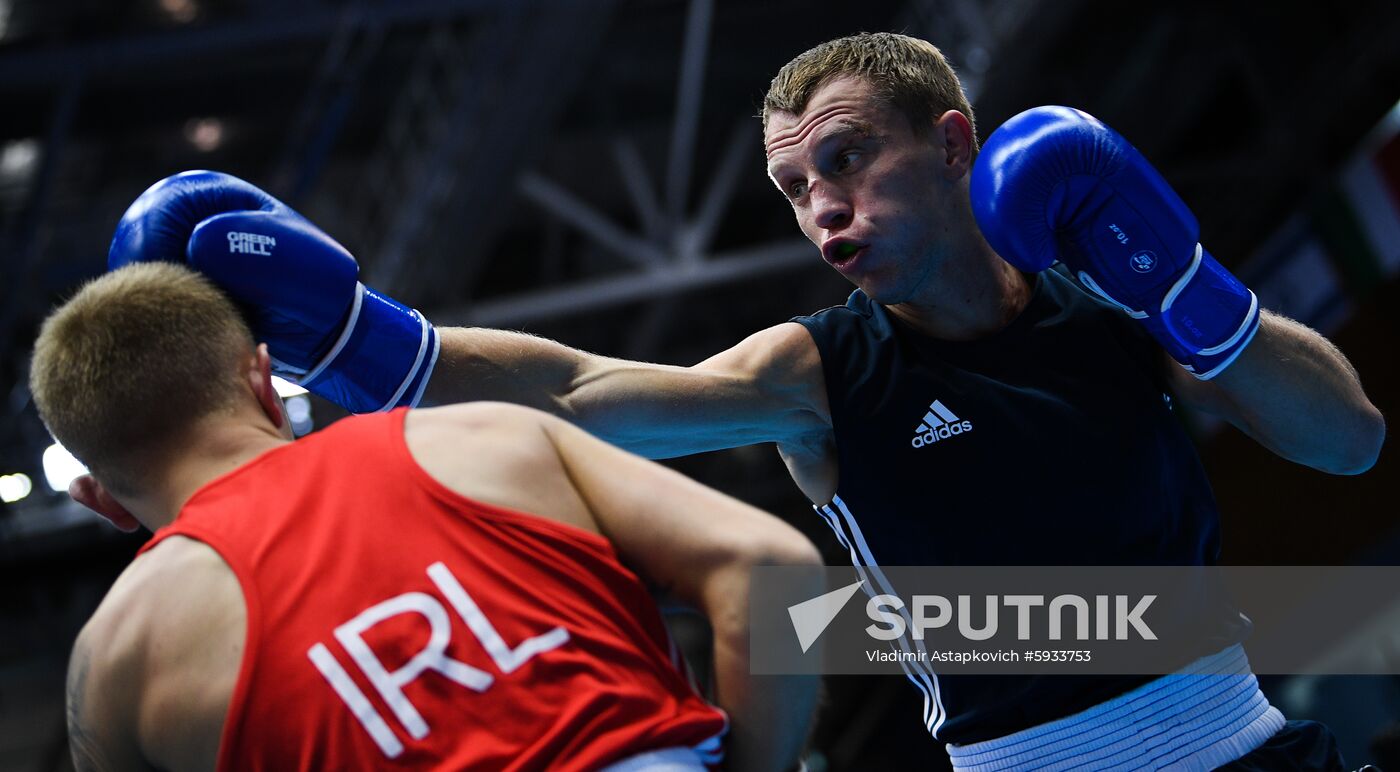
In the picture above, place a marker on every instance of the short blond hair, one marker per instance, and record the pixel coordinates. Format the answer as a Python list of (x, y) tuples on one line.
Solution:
[(123, 368), (911, 74)]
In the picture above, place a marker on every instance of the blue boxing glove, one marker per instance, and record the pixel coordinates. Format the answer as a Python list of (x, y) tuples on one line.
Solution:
[(1054, 183), (324, 329)]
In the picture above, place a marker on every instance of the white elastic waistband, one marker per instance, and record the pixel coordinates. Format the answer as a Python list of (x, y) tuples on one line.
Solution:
[(1207, 714), (664, 760)]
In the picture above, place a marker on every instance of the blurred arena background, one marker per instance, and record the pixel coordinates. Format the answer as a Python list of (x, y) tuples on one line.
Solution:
[(592, 171)]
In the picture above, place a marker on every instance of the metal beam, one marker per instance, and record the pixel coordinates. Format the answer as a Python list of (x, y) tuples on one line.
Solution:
[(696, 237), (19, 258), (553, 198), (448, 114), (670, 279), (46, 68), (639, 188), (689, 90), (323, 111), (521, 96)]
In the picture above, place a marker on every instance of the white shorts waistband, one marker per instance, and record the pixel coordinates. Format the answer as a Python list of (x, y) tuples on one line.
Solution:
[(1207, 714), (663, 760)]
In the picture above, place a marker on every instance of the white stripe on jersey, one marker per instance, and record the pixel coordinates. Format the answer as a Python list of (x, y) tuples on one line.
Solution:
[(920, 681), (921, 674), (834, 523)]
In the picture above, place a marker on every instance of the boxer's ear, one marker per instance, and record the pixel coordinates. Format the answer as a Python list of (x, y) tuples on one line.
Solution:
[(86, 490), (260, 379), (953, 132)]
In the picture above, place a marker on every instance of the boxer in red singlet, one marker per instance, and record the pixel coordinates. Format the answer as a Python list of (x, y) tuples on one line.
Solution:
[(449, 588)]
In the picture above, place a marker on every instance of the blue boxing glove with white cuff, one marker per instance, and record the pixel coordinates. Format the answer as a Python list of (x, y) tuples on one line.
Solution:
[(324, 329), (1055, 184)]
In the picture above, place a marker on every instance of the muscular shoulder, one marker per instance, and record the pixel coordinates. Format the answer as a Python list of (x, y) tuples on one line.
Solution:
[(499, 454), (476, 432), (478, 435), (782, 361), (162, 651), (787, 346), (174, 571), (152, 595)]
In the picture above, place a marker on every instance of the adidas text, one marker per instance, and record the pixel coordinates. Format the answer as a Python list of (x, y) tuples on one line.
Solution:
[(941, 433), (939, 423)]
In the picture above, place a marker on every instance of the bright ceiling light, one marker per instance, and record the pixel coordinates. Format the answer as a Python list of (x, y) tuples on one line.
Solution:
[(299, 414), (206, 134), (14, 487), (60, 468), (19, 158), (180, 11)]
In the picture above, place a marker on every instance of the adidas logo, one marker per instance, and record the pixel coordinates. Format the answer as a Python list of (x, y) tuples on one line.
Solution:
[(939, 424)]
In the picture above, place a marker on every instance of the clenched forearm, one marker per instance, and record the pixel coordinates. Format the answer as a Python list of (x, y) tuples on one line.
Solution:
[(630, 404), (1294, 392), (658, 411), (478, 364)]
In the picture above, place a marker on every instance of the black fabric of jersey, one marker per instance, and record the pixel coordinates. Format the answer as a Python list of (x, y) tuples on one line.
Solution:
[(1049, 442)]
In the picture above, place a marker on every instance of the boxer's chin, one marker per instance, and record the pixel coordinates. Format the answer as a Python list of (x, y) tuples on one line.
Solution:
[(881, 290)]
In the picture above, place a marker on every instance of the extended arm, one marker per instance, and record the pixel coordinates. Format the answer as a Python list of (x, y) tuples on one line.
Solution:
[(1293, 392), (364, 351), (768, 388)]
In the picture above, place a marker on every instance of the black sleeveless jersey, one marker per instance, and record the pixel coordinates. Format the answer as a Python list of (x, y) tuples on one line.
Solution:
[(1049, 442)]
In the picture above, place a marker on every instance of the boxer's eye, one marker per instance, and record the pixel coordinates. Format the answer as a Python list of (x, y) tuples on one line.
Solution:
[(846, 160)]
